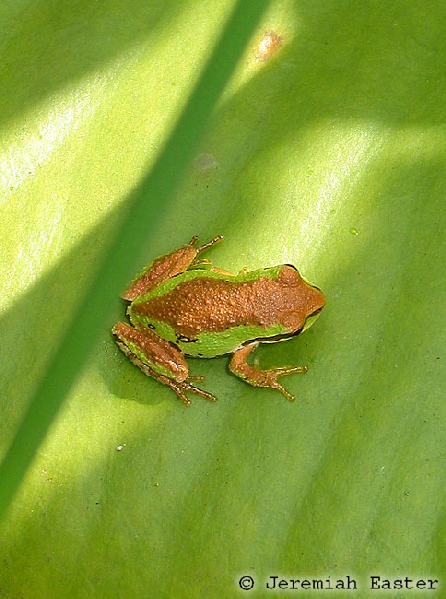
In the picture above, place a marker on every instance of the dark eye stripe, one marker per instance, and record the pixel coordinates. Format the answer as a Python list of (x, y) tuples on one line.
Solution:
[(185, 339)]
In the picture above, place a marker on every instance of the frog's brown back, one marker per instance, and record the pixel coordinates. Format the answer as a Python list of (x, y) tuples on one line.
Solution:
[(208, 304)]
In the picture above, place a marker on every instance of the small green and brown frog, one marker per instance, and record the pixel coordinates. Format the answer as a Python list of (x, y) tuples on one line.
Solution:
[(180, 306)]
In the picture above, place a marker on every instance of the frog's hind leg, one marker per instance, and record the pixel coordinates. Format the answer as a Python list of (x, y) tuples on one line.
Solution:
[(165, 267), (158, 359), (257, 377), (178, 387)]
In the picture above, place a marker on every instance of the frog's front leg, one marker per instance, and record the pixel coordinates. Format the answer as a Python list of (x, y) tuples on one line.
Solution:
[(257, 377), (159, 359), (166, 267)]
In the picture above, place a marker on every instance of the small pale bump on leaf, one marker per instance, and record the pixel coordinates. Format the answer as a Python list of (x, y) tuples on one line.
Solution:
[(268, 45)]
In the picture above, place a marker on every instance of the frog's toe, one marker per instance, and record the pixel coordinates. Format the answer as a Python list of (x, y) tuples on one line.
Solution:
[(196, 378), (200, 392), (198, 262), (182, 396), (275, 385), (284, 370)]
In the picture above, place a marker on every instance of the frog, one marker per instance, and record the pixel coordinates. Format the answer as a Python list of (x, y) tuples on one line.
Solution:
[(180, 305)]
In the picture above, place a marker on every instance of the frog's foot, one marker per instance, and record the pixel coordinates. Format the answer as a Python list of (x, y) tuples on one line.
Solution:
[(183, 386), (257, 377), (272, 375), (200, 262), (188, 385), (202, 248)]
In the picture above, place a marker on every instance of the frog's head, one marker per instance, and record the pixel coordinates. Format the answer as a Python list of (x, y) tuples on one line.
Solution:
[(307, 301), (312, 314)]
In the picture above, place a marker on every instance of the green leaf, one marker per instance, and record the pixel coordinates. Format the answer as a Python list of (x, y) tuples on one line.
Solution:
[(329, 156)]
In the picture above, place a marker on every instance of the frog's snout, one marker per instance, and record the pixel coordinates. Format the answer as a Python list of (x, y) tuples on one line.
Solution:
[(316, 301)]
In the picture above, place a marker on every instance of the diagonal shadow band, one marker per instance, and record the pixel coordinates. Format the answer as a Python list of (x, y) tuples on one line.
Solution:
[(145, 206)]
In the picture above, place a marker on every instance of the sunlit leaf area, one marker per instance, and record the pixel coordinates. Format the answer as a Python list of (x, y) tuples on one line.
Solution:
[(325, 151)]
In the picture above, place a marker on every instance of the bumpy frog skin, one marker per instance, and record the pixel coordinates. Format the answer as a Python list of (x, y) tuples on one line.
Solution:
[(180, 306)]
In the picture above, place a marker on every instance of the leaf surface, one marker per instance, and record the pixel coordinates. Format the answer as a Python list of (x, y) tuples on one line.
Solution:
[(329, 156)]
